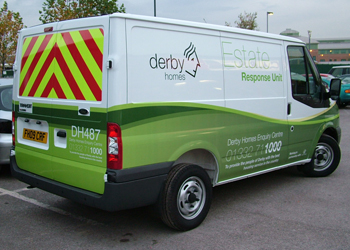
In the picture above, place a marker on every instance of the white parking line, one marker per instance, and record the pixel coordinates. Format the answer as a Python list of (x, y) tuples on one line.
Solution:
[(16, 195)]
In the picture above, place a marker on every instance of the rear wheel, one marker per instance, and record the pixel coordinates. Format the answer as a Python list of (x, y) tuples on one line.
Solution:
[(325, 160), (187, 197)]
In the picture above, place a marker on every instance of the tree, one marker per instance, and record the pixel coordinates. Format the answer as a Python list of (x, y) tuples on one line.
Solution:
[(247, 21), (10, 23), (58, 10)]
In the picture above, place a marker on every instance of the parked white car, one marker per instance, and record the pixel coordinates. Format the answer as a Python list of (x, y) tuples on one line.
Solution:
[(5, 119)]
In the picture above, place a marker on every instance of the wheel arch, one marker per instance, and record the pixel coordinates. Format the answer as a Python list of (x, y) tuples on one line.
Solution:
[(329, 129), (332, 132), (202, 158)]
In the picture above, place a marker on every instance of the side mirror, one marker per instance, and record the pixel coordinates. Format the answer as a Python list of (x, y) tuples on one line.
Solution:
[(335, 88)]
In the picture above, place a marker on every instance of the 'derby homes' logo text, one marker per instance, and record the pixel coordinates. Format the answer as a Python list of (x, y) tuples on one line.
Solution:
[(177, 68)]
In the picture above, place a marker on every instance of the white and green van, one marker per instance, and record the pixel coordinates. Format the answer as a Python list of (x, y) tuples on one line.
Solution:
[(122, 111)]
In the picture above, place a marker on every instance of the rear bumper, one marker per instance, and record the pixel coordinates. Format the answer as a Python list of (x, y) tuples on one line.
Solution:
[(117, 195)]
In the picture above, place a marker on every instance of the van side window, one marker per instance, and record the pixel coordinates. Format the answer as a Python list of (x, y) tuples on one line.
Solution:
[(306, 83)]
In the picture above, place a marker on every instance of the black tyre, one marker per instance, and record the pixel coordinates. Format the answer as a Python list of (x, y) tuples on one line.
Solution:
[(325, 160), (341, 104), (186, 198)]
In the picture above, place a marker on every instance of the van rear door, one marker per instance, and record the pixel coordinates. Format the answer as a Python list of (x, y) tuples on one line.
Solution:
[(60, 102)]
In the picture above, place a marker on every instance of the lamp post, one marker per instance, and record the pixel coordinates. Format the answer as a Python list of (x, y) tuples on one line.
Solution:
[(155, 13), (269, 13), (309, 32)]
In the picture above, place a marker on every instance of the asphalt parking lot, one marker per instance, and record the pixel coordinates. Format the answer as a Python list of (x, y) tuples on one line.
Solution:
[(279, 210)]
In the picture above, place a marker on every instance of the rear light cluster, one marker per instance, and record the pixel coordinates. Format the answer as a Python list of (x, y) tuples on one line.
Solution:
[(13, 129), (115, 148)]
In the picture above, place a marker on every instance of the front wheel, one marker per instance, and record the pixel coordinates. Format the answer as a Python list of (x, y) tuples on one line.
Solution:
[(186, 198), (325, 160), (341, 104)]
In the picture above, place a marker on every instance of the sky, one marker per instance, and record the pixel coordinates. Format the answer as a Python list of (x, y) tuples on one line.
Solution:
[(325, 19)]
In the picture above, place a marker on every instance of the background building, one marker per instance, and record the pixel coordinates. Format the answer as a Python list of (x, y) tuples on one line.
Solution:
[(325, 50), (333, 50)]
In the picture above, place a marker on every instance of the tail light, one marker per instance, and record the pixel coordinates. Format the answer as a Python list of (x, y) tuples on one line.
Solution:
[(13, 129), (115, 147)]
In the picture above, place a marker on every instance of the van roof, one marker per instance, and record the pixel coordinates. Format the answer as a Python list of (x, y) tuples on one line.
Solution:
[(206, 26)]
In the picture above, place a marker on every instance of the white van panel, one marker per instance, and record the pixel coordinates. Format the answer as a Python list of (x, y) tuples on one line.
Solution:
[(254, 77), (167, 64), (117, 74)]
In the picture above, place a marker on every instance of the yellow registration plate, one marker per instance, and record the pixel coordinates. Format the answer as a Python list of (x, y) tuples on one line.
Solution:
[(34, 135)]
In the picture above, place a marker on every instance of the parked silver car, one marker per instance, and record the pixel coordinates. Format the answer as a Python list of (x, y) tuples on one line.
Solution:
[(5, 120)]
